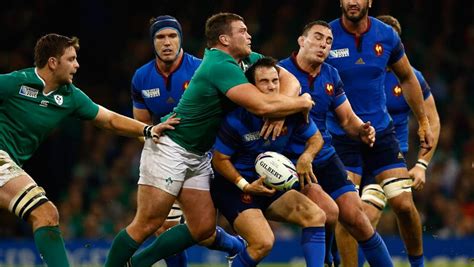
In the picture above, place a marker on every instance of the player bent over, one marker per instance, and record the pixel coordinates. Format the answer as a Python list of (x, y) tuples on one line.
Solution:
[(34, 102), (240, 195)]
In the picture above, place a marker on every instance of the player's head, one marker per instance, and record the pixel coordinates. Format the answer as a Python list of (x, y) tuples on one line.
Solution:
[(315, 42), (392, 21), (58, 54), (228, 31), (166, 35), (355, 10), (264, 75)]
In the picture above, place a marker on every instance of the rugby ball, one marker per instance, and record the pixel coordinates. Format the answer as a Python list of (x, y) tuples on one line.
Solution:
[(279, 171)]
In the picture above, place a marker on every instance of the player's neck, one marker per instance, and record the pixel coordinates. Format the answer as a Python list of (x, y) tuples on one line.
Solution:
[(310, 67), (166, 68), (47, 77), (358, 27)]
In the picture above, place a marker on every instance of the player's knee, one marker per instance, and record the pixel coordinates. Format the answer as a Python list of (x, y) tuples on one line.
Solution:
[(403, 205), (44, 215), (311, 215), (202, 232), (374, 195), (262, 246)]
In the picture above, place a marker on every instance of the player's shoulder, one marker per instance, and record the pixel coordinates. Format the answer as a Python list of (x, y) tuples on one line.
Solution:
[(382, 28), (145, 68), (286, 63), (191, 60), (328, 69)]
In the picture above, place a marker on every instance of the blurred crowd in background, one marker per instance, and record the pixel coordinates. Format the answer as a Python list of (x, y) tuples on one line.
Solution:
[(91, 175)]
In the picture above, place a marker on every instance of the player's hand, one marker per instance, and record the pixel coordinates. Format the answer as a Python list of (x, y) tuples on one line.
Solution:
[(258, 187), (367, 133), (309, 105), (426, 135), (273, 127), (304, 168), (418, 174), (158, 129)]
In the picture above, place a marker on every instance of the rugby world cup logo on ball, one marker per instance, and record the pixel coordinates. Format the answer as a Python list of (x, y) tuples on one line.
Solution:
[(279, 171)]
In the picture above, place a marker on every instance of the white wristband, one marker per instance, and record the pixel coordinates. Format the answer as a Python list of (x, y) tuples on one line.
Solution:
[(242, 183)]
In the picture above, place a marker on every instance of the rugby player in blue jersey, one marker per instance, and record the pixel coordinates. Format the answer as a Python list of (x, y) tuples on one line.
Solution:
[(323, 83), (240, 195), (400, 111), (363, 48)]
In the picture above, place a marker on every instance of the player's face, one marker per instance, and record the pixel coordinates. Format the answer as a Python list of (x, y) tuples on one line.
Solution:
[(315, 46), (167, 45), (239, 40), (355, 10), (66, 66), (267, 80)]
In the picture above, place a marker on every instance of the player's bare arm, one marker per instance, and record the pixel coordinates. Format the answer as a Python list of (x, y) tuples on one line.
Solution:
[(268, 105), (418, 172), (304, 165), (414, 98), (224, 166), (353, 125), (144, 116)]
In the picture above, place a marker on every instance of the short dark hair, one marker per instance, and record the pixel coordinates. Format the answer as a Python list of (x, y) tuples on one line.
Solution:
[(310, 25), (392, 21), (264, 62), (53, 45), (219, 24)]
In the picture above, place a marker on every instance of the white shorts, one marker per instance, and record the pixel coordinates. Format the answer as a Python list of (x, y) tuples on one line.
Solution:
[(8, 168), (170, 167)]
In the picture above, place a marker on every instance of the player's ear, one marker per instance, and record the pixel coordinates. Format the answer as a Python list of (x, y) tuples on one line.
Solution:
[(224, 39), (52, 62), (301, 41)]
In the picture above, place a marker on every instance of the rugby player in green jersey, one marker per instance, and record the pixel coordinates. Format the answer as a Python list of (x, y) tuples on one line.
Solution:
[(33, 102), (184, 167)]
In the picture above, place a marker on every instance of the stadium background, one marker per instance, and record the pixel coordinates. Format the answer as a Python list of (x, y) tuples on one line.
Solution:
[(91, 175)]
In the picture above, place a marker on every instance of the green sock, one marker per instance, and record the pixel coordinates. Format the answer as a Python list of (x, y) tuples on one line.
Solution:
[(176, 239), (122, 249), (50, 244)]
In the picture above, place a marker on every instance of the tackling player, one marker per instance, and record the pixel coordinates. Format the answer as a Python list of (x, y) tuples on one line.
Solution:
[(363, 48), (34, 102)]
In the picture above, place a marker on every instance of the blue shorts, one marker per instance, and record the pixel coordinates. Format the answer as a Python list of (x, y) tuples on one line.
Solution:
[(368, 178), (384, 155), (332, 176), (231, 201)]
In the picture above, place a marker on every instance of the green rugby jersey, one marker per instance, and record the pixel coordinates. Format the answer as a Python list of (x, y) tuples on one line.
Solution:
[(204, 104), (27, 115)]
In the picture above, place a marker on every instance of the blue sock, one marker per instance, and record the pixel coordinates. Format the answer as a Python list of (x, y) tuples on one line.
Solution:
[(243, 259), (227, 243), (416, 261), (361, 257), (313, 243), (328, 258), (177, 260), (376, 252)]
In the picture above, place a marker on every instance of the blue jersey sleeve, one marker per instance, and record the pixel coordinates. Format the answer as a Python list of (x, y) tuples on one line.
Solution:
[(398, 50), (137, 98), (425, 88), (305, 130), (339, 94), (228, 138)]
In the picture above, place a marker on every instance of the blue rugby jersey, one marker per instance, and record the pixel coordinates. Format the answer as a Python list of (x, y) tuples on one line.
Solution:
[(398, 107), (239, 138), (361, 62), (153, 91), (327, 91)]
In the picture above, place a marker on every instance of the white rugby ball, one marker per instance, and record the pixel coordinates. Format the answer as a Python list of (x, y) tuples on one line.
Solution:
[(279, 171)]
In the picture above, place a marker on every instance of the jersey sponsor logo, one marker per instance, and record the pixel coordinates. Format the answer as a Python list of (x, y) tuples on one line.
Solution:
[(28, 91), (44, 103), (397, 90), (185, 85), (378, 48), (344, 52), (360, 61), (329, 88), (251, 136), (150, 93), (58, 99)]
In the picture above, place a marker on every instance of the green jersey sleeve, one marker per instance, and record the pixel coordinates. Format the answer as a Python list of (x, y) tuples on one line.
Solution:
[(85, 109), (7, 86)]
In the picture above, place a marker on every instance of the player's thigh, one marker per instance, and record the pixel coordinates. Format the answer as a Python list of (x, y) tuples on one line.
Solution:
[(199, 211), (252, 225), (12, 187), (296, 208), (316, 194), (153, 205), (333, 177)]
